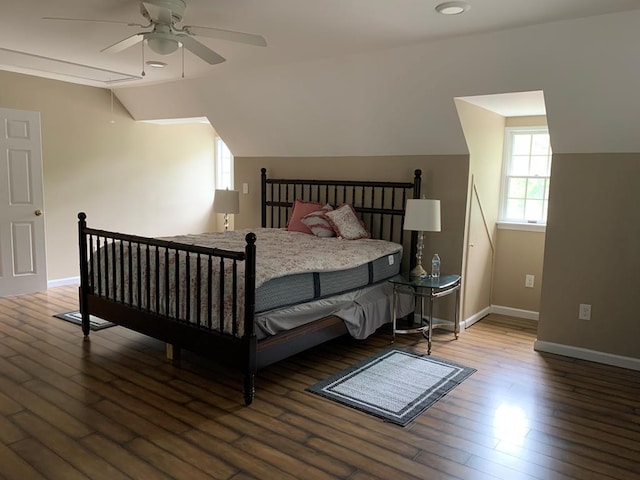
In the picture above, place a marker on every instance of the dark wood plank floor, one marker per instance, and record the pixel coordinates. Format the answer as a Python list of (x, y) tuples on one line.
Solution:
[(112, 407)]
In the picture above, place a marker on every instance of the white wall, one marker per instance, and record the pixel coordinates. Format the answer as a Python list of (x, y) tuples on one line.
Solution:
[(400, 101)]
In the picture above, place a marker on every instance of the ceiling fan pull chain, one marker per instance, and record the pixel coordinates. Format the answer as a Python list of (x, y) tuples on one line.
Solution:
[(142, 43), (112, 119), (182, 59)]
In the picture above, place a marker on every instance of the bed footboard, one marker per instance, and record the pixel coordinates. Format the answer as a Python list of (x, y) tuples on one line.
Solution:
[(193, 297)]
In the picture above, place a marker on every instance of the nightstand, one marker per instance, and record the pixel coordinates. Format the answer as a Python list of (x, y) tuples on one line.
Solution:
[(427, 288)]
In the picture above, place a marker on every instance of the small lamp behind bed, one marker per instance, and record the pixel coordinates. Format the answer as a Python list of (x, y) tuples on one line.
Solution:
[(421, 215), (226, 201)]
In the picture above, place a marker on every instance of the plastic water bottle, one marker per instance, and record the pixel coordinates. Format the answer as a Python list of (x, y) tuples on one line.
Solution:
[(435, 266)]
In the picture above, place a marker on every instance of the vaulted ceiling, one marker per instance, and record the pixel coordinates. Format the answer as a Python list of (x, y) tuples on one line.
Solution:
[(350, 77), (296, 31)]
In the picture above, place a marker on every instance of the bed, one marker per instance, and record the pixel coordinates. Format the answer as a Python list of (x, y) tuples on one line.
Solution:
[(210, 295)]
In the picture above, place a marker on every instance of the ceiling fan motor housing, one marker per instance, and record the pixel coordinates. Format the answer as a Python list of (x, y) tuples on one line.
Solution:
[(176, 7)]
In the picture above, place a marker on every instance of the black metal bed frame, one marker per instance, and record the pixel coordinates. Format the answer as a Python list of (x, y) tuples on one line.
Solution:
[(110, 261)]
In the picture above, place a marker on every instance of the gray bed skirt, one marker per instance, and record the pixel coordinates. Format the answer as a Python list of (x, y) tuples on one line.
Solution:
[(363, 311)]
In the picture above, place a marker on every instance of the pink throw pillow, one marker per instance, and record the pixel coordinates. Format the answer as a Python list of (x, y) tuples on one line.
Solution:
[(318, 224), (300, 209), (346, 224)]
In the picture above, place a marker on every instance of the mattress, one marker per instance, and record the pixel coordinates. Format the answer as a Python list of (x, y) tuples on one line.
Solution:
[(304, 287)]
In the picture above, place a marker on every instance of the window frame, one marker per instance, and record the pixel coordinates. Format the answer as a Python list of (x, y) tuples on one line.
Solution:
[(506, 223)]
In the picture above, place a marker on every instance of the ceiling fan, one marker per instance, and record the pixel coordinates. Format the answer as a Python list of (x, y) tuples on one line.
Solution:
[(165, 37)]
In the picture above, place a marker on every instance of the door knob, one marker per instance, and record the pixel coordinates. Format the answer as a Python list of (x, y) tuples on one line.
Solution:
[(38, 212)]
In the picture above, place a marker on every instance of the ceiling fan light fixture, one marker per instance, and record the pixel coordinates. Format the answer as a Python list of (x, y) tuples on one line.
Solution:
[(452, 8), (156, 64), (163, 45)]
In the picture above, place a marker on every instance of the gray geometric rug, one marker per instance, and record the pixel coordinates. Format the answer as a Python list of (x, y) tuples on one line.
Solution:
[(394, 384), (95, 323)]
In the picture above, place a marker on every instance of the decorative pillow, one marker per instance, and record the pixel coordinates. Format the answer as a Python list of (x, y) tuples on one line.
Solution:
[(346, 224), (300, 209), (318, 224)]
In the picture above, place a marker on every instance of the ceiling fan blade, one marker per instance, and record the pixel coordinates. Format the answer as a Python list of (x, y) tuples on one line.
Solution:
[(124, 44), (128, 24), (248, 38), (198, 49), (159, 14)]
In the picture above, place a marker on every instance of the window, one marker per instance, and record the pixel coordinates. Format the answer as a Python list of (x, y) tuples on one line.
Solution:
[(527, 171), (224, 166)]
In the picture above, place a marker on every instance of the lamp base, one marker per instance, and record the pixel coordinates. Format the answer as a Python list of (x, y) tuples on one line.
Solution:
[(418, 272)]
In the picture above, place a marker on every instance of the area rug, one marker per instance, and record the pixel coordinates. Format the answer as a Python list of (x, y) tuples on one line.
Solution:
[(394, 384), (95, 323)]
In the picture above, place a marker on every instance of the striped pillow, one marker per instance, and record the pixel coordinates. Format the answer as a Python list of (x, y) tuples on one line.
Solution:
[(318, 223)]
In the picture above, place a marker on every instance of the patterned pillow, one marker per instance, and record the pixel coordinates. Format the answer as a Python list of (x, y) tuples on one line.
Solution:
[(346, 224), (318, 224), (300, 209)]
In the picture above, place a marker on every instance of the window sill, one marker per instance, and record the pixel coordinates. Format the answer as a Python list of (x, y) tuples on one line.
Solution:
[(524, 227)]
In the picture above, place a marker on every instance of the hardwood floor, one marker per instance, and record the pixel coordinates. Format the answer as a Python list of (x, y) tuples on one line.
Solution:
[(112, 407)]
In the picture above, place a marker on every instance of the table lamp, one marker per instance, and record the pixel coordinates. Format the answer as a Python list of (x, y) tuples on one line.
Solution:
[(226, 201), (422, 215)]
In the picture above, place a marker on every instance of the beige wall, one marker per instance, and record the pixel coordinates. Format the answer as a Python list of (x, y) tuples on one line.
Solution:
[(484, 133), (127, 176), (443, 177), (518, 253), (591, 254)]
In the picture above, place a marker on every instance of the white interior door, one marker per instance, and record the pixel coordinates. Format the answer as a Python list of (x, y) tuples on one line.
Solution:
[(22, 241)]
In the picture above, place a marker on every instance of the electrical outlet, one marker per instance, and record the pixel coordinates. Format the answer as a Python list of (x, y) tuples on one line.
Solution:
[(585, 312), (528, 281)]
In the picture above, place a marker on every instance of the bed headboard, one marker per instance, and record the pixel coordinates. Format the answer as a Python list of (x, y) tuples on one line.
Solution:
[(380, 205)]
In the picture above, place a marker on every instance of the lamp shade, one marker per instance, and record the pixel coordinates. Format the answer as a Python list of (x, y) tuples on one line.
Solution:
[(422, 215), (226, 201)]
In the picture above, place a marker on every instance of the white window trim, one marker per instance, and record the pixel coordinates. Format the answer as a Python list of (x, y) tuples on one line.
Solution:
[(523, 227), (511, 225)]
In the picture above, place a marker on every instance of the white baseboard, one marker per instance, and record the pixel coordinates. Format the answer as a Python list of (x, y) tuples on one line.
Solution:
[(467, 322), (440, 322), (515, 312), (476, 317), (63, 281), (586, 354), (557, 348)]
